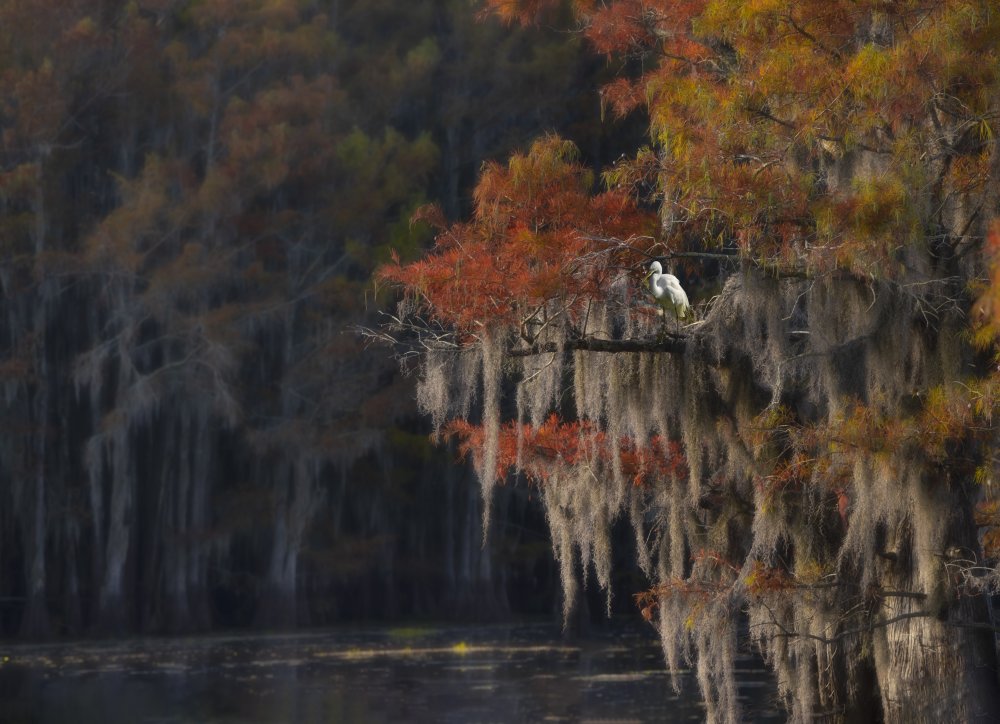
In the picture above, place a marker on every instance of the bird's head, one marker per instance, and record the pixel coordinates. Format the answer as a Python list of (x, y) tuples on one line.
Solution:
[(654, 268)]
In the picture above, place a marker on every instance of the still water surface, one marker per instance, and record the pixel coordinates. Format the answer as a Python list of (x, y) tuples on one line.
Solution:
[(510, 673)]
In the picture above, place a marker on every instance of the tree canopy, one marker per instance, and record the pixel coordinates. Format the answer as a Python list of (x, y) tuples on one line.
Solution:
[(817, 451)]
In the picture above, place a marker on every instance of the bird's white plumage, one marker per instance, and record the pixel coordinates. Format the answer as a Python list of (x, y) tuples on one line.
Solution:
[(668, 292)]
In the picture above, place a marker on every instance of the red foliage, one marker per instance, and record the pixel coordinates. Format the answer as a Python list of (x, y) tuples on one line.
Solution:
[(556, 445), (537, 235), (622, 96), (629, 25), (715, 575)]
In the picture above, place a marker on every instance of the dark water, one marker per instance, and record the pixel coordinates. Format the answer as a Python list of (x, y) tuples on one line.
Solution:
[(524, 673)]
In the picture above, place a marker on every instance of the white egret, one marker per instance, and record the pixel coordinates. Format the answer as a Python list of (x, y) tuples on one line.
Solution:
[(668, 292)]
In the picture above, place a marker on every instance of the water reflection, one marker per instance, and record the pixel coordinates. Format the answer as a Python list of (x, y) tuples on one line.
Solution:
[(523, 673)]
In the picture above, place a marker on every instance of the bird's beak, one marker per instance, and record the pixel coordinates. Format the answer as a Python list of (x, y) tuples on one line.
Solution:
[(648, 274)]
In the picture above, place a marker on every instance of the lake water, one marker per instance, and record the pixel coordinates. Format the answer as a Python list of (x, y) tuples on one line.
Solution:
[(509, 673)]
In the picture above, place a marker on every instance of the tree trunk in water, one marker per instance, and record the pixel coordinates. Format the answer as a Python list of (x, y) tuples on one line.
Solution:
[(203, 443), (940, 664), (178, 613), (185, 485), (118, 542), (933, 671), (279, 601), (36, 620)]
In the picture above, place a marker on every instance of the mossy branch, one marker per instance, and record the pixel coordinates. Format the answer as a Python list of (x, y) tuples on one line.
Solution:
[(674, 344)]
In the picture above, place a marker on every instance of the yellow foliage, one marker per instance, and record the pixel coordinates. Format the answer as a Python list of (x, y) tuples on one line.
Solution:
[(869, 74), (809, 570)]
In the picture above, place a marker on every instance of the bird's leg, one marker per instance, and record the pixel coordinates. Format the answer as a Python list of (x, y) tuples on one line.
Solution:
[(662, 334)]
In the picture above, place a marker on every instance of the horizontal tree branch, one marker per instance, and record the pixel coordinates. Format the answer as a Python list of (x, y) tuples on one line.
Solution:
[(629, 244), (674, 344), (829, 640), (702, 255)]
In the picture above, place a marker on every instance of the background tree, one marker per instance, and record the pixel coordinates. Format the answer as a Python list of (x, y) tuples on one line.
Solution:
[(193, 195), (811, 453)]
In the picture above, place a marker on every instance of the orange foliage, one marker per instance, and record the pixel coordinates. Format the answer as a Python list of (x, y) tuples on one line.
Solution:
[(988, 520), (798, 131), (987, 309), (947, 421), (768, 579), (747, 99), (526, 12)]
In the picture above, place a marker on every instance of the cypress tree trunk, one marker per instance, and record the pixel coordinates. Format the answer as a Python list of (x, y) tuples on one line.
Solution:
[(942, 663)]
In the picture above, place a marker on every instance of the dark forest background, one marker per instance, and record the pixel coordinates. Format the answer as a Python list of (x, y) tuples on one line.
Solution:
[(193, 197)]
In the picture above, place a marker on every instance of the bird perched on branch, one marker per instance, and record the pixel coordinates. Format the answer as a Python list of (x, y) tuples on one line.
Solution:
[(668, 292)]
